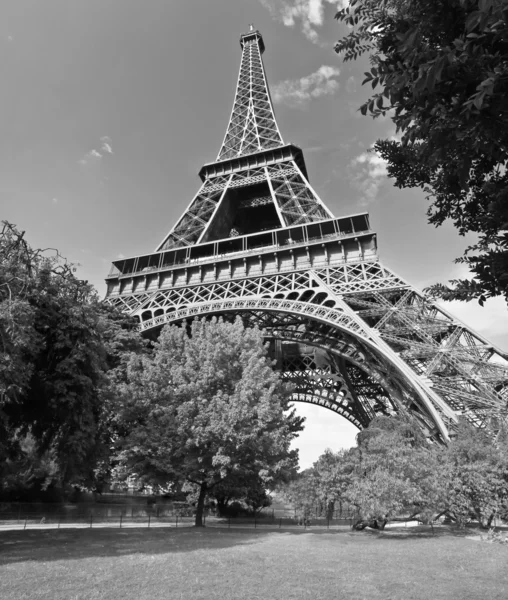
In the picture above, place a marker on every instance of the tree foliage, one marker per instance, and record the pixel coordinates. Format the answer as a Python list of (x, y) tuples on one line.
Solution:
[(245, 490), (57, 341), (302, 494), (30, 474), (476, 485), (206, 407), (395, 471), (440, 69), (316, 491)]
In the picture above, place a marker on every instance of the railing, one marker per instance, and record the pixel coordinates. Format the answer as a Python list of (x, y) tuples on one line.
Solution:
[(96, 515), (115, 272), (54, 517)]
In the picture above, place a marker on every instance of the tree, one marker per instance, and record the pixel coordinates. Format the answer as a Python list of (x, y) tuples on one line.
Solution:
[(316, 491), (30, 475), (247, 488), (442, 73), (333, 473), (121, 341), (206, 407), (476, 486), (57, 341), (301, 493), (397, 471)]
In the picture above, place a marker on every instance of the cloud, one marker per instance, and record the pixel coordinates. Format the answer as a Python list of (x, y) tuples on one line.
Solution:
[(351, 85), (54, 200), (369, 171), (10, 38), (299, 92), (94, 155), (309, 13), (106, 145), (310, 149)]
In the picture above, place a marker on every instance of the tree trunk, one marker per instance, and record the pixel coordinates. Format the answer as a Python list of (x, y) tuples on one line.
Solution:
[(360, 525), (330, 510), (490, 519), (201, 505), (382, 523), (222, 504)]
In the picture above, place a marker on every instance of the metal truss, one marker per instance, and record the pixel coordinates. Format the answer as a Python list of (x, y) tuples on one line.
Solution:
[(462, 367), (296, 200), (189, 228), (457, 370), (348, 333), (289, 191), (252, 125), (252, 129), (295, 285), (338, 332), (320, 378)]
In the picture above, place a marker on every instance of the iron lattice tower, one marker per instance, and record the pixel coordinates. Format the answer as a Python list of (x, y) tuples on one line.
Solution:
[(352, 336)]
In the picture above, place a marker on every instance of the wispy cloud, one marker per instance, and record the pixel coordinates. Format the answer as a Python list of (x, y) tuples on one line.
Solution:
[(95, 155), (299, 92), (368, 172), (309, 13), (351, 85), (106, 145)]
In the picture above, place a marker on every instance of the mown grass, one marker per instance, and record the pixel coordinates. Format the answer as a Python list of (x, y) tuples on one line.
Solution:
[(228, 564)]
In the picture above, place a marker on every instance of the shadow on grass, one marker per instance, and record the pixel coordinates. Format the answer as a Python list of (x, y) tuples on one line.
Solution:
[(70, 544), (399, 533)]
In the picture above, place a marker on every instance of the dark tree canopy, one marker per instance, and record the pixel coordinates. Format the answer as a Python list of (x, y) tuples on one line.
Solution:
[(57, 342), (246, 491), (441, 71)]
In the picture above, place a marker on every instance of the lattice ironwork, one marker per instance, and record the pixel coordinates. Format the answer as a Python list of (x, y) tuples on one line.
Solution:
[(193, 222), (252, 126), (326, 380), (252, 130), (350, 334), (297, 201)]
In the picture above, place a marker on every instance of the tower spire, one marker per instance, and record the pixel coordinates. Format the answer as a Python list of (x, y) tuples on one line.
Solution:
[(257, 183), (252, 126)]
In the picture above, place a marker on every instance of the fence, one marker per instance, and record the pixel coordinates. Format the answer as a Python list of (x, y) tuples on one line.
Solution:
[(39, 516)]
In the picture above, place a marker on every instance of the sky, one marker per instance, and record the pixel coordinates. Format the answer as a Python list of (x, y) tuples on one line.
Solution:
[(110, 108)]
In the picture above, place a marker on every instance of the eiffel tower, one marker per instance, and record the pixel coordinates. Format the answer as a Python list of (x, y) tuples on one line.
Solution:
[(352, 336)]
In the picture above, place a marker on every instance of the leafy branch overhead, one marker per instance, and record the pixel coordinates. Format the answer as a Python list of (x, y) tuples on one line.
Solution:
[(440, 70)]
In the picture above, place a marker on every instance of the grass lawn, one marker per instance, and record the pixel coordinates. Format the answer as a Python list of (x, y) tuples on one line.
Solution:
[(220, 563)]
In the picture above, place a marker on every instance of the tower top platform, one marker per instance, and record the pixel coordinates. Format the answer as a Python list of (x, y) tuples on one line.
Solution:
[(252, 34)]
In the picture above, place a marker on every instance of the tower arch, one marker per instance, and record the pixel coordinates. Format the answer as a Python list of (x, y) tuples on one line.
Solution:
[(298, 322)]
